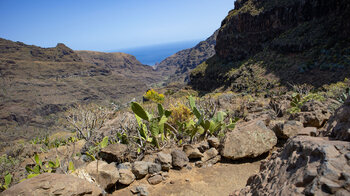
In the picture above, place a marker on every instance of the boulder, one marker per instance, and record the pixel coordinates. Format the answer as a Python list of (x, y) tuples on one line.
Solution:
[(313, 114), (287, 129), (248, 140), (154, 168), (165, 160), (306, 166), (338, 125), (308, 131), (179, 159), (209, 154), (126, 176), (114, 153), (53, 184), (140, 169), (156, 179), (106, 175), (214, 142), (192, 152)]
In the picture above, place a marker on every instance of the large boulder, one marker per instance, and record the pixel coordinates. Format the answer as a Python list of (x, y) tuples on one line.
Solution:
[(106, 175), (53, 184), (306, 166), (248, 140), (114, 153), (339, 124)]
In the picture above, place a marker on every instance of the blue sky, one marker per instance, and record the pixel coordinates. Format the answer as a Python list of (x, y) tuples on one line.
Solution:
[(105, 25)]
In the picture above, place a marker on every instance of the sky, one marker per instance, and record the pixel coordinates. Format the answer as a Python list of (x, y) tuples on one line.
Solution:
[(104, 25)]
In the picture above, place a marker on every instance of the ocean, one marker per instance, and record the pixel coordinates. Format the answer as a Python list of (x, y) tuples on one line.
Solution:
[(150, 55)]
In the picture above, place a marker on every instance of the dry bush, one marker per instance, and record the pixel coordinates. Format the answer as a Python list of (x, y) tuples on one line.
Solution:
[(87, 119)]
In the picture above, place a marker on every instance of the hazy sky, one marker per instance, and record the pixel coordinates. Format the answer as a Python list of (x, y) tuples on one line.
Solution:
[(110, 24)]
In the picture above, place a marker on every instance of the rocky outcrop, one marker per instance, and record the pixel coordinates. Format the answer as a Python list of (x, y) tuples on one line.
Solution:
[(248, 140), (53, 184), (305, 166), (338, 126), (254, 23)]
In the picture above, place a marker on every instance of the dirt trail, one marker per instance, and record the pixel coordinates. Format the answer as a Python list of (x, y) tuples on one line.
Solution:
[(220, 179)]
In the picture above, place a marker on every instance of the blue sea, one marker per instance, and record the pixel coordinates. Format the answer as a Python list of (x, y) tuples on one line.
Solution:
[(150, 55)]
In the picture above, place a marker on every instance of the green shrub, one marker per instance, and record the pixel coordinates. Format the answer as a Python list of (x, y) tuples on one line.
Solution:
[(155, 128)]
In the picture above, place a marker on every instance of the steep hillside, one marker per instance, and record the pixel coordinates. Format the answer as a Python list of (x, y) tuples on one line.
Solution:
[(180, 64), (264, 43), (36, 83)]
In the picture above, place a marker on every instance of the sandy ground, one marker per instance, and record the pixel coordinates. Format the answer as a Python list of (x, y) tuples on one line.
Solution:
[(220, 179)]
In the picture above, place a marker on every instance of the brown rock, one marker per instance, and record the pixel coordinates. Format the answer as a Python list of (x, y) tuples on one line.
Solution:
[(192, 152), (165, 160), (248, 140), (308, 131), (214, 142), (287, 129), (179, 159), (156, 179), (126, 176), (53, 184), (106, 175), (114, 153), (209, 154)]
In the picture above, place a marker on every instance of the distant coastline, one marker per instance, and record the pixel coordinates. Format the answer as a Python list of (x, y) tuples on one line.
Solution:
[(150, 55)]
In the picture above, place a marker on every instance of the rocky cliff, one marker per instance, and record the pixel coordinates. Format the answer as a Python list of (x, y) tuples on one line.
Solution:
[(178, 66), (279, 42)]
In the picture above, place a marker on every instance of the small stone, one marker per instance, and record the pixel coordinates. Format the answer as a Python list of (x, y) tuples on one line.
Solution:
[(187, 180), (142, 190), (125, 165), (203, 146), (172, 182), (179, 159), (156, 179), (165, 174), (209, 154), (214, 142), (126, 176), (140, 169), (199, 164), (192, 152), (165, 160)]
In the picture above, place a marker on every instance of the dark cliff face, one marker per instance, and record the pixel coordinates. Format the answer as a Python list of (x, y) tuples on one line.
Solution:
[(177, 66), (264, 43), (253, 24)]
